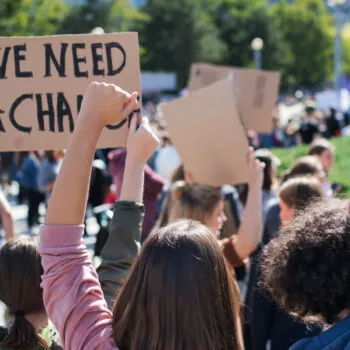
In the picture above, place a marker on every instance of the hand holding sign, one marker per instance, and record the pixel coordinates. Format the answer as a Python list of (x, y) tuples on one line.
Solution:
[(142, 142), (42, 81), (107, 102), (255, 170)]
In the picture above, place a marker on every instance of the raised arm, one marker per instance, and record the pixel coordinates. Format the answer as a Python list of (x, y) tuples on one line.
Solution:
[(250, 230), (125, 230), (102, 105), (72, 294), (6, 218)]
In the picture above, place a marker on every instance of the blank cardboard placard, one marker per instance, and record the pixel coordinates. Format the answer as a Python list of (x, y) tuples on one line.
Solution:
[(255, 91), (43, 80), (208, 134)]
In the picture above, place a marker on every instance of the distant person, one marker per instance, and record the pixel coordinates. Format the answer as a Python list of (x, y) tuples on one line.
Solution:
[(48, 172), (324, 151), (309, 127), (333, 124), (278, 138), (28, 177)]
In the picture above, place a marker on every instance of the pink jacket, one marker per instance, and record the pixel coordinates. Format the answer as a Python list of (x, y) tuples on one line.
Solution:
[(72, 293)]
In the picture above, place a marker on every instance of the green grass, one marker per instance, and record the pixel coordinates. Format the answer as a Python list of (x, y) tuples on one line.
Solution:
[(341, 169)]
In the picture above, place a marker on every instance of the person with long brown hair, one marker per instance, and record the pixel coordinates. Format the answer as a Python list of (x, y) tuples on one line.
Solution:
[(167, 301), (20, 291)]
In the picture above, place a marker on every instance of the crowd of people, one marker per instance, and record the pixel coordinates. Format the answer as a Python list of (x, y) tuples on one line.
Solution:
[(184, 265)]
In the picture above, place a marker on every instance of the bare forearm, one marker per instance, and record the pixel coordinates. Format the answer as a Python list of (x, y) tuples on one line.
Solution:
[(249, 234), (132, 188), (8, 226), (6, 218), (68, 201)]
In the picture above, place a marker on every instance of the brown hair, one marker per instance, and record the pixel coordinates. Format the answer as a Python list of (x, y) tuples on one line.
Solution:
[(193, 201), (308, 165), (319, 146), (20, 291), (179, 295), (300, 191), (178, 174)]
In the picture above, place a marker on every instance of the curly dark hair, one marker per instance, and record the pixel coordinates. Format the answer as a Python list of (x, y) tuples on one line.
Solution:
[(307, 268)]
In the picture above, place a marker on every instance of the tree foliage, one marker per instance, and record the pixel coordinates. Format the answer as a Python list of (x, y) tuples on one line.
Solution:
[(31, 17), (177, 34), (239, 22), (307, 29), (111, 15), (298, 35)]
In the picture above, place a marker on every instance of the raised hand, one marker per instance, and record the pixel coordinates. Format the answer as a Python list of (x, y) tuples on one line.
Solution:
[(142, 142), (256, 170), (107, 103)]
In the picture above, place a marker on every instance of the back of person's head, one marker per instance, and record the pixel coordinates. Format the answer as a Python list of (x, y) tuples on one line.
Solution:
[(271, 163), (20, 291), (178, 174), (324, 151), (308, 165), (50, 156), (319, 146), (179, 295), (310, 108), (307, 268), (298, 192), (194, 201)]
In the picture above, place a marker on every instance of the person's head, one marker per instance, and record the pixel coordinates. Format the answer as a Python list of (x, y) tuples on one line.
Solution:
[(310, 109), (295, 194), (324, 151), (307, 268), (166, 141), (201, 203), (50, 156), (306, 166), (20, 291), (270, 171), (180, 294), (178, 174)]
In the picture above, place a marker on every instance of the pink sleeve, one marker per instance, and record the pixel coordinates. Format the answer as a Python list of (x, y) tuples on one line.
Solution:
[(72, 294)]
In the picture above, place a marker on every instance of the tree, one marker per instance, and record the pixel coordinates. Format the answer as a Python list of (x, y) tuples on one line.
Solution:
[(346, 50), (239, 22), (111, 15), (307, 29), (177, 34), (31, 17)]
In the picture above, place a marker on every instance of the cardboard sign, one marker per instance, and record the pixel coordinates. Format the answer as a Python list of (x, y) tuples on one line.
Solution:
[(208, 134), (43, 80), (255, 91)]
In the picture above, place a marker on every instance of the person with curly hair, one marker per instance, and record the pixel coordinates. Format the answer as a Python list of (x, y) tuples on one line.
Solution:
[(307, 271), (269, 322)]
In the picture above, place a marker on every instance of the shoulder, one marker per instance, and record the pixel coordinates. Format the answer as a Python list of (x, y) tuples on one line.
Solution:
[(307, 344)]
